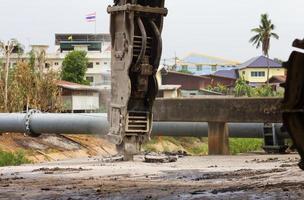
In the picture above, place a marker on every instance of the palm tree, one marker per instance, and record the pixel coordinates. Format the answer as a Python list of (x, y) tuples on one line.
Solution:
[(7, 49), (262, 36)]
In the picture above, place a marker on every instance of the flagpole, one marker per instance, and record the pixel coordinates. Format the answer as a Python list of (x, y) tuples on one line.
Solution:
[(95, 24)]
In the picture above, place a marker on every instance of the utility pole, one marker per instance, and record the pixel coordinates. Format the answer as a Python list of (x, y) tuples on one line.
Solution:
[(165, 64), (175, 62)]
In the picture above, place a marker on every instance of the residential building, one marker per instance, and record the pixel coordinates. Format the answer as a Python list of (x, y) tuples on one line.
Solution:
[(224, 77), (79, 98), (169, 91), (191, 85), (97, 46), (255, 70), (200, 64)]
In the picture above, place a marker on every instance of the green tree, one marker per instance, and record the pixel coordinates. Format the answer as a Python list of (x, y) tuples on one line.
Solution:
[(74, 67), (262, 37)]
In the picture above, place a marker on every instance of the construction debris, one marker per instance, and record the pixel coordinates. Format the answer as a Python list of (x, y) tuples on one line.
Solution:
[(160, 158)]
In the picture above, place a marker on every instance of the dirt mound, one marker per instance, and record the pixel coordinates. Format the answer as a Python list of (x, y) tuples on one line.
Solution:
[(51, 147)]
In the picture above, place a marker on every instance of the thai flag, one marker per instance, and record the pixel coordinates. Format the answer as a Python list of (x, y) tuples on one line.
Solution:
[(91, 17)]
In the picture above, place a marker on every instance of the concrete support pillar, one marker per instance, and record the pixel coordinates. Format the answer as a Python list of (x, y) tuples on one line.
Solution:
[(218, 138)]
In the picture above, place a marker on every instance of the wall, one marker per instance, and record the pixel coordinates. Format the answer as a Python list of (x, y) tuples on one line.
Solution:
[(67, 102), (86, 102), (189, 93), (170, 93)]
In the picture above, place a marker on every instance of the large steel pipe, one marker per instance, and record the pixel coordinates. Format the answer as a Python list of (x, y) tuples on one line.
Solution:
[(98, 124), (200, 129), (12, 122), (70, 123)]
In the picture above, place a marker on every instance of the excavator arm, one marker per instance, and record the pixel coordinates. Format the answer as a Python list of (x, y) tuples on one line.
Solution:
[(135, 28)]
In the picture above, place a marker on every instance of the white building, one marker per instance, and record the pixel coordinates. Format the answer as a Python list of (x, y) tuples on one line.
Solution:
[(98, 48)]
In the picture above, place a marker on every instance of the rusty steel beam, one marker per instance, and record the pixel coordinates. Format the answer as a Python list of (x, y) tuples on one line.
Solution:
[(231, 110)]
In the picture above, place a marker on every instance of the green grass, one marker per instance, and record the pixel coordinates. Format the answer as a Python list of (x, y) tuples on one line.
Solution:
[(199, 146), (238, 145), (199, 150), (192, 145), (12, 159)]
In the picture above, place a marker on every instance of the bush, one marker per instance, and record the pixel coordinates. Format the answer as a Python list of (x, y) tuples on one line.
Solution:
[(12, 159), (263, 91), (242, 88), (218, 88), (30, 87)]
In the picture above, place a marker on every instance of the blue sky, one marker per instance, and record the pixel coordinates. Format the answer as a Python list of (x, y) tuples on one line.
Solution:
[(213, 27)]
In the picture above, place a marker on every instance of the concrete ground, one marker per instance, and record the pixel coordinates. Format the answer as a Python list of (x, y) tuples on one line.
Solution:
[(214, 177)]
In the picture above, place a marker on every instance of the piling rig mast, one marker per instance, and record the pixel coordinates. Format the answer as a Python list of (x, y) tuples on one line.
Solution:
[(293, 103), (135, 28)]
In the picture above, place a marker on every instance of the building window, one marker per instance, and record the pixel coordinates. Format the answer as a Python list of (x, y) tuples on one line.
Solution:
[(47, 65), (199, 67), (105, 63), (213, 68), (90, 65), (97, 63), (56, 63), (257, 74), (185, 67), (90, 79)]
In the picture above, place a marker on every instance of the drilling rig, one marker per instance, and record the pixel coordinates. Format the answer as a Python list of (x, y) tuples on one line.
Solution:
[(135, 27)]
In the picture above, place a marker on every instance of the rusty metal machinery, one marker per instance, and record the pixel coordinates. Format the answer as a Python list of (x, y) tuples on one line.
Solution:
[(293, 103), (135, 28)]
